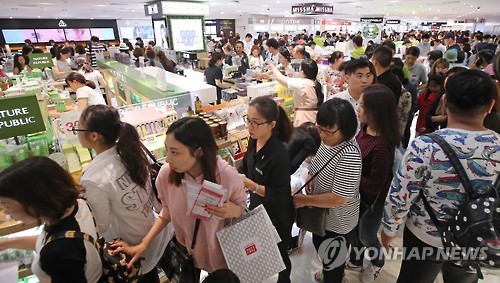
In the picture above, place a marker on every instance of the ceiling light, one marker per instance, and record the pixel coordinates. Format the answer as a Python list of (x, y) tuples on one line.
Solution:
[(38, 17), (222, 12), (91, 18), (11, 18)]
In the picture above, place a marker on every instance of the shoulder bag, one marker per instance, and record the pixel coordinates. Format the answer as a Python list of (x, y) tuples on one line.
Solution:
[(154, 169), (311, 218)]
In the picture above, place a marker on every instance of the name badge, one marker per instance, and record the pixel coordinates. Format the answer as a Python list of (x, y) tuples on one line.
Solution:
[(259, 171)]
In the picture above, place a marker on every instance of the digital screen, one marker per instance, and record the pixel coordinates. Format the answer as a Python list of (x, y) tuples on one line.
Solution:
[(77, 34), (161, 33), (18, 35), (44, 35), (103, 33), (144, 32), (187, 34)]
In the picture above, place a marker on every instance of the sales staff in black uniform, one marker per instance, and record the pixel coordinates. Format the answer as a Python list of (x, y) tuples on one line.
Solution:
[(267, 169)]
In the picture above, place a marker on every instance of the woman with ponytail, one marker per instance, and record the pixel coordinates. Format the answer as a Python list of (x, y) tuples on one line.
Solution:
[(117, 183), (85, 91), (307, 95), (267, 169)]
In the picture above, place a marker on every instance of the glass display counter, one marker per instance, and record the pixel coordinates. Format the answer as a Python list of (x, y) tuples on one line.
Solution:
[(130, 86)]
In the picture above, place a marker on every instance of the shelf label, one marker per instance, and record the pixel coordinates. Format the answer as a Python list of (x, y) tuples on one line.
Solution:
[(68, 121)]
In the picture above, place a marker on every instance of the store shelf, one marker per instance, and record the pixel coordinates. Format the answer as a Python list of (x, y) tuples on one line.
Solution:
[(25, 272), (12, 226)]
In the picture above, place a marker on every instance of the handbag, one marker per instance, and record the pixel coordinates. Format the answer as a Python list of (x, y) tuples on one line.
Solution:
[(249, 245), (114, 265), (311, 218), (177, 263), (154, 169)]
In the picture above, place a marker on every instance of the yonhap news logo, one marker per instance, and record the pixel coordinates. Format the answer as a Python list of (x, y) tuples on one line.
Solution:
[(333, 252)]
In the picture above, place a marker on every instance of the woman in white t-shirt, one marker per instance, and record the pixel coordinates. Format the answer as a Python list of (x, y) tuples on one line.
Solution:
[(118, 185), (85, 91), (307, 93), (91, 75)]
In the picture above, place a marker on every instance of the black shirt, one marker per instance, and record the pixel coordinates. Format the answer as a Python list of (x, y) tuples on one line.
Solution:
[(270, 167), (388, 79), (213, 73)]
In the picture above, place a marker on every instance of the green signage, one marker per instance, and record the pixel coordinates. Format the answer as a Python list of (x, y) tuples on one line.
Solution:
[(41, 60), (20, 115)]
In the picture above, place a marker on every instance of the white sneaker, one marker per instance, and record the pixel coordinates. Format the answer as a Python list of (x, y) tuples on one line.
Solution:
[(370, 273), (351, 266)]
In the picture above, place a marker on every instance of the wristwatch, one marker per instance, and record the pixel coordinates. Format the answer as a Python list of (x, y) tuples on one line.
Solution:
[(256, 188)]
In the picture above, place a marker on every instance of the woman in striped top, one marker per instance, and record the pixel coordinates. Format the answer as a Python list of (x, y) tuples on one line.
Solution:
[(336, 187), (378, 138)]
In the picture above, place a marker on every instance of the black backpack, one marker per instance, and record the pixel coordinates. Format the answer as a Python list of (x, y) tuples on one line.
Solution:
[(477, 221)]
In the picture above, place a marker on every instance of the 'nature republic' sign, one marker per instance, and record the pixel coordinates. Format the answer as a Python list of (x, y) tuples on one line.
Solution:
[(41, 60), (20, 115)]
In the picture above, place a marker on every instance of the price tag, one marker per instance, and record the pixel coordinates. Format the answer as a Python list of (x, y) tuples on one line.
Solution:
[(169, 106), (68, 121)]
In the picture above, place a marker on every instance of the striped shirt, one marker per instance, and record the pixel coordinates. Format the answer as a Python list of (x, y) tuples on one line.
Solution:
[(341, 177), (92, 53)]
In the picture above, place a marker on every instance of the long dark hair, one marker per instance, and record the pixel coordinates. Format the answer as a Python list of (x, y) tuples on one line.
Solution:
[(75, 76), (194, 133), (310, 69), (64, 50), (44, 188), (105, 120), (268, 108), (17, 64), (379, 105)]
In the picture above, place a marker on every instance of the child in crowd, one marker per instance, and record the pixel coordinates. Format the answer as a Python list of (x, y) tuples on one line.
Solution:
[(433, 91)]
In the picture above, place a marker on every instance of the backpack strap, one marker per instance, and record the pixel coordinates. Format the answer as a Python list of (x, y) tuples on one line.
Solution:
[(455, 162), (71, 234)]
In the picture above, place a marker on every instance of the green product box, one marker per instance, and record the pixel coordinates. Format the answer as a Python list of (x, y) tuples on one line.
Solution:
[(38, 145), (21, 152)]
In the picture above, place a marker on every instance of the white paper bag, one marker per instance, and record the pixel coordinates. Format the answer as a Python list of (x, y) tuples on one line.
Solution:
[(250, 247)]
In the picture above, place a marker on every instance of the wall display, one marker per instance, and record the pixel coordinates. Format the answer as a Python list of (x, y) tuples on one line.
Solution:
[(78, 34), (44, 35), (103, 33), (20, 115), (18, 35), (187, 33), (161, 32), (132, 33)]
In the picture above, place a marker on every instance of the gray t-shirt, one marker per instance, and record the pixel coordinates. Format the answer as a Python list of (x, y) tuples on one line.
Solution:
[(417, 74)]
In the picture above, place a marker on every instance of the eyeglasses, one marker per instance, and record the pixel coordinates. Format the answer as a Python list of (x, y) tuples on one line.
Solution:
[(252, 123), (329, 133), (75, 130)]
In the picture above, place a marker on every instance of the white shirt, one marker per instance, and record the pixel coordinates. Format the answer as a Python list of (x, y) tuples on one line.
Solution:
[(94, 77), (317, 52), (355, 103), (441, 48), (93, 98), (247, 46), (122, 208)]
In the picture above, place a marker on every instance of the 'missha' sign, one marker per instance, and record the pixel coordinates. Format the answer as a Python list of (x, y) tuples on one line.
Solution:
[(20, 115), (312, 9)]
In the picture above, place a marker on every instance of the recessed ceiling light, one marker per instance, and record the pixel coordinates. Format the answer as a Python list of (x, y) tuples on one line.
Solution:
[(11, 18), (222, 12), (38, 17), (91, 18)]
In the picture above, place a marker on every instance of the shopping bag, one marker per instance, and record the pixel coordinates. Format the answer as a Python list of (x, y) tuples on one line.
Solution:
[(249, 245)]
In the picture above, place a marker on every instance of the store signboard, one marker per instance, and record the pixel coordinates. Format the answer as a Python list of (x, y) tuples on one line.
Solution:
[(372, 20), (312, 9), (392, 22), (164, 104), (20, 115), (285, 21), (154, 8), (41, 60), (185, 8)]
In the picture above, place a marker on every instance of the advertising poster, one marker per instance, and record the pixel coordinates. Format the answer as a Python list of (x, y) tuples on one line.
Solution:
[(187, 34)]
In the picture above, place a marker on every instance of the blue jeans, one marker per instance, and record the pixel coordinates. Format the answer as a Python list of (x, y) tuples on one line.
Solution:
[(365, 236)]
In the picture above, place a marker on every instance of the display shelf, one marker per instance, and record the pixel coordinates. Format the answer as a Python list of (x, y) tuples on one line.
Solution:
[(13, 226)]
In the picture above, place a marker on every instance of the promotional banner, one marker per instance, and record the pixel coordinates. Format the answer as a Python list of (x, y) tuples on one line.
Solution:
[(20, 115)]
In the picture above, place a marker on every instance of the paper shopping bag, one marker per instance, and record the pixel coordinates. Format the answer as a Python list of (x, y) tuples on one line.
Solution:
[(250, 247)]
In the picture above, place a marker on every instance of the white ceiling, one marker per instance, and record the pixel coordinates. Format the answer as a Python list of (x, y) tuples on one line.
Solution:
[(407, 10)]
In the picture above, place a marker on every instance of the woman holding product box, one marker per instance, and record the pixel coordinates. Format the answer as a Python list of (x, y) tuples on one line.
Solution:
[(117, 183), (192, 156)]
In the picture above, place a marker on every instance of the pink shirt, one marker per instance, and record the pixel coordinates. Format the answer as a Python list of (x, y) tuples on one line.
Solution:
[(207, 252)]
